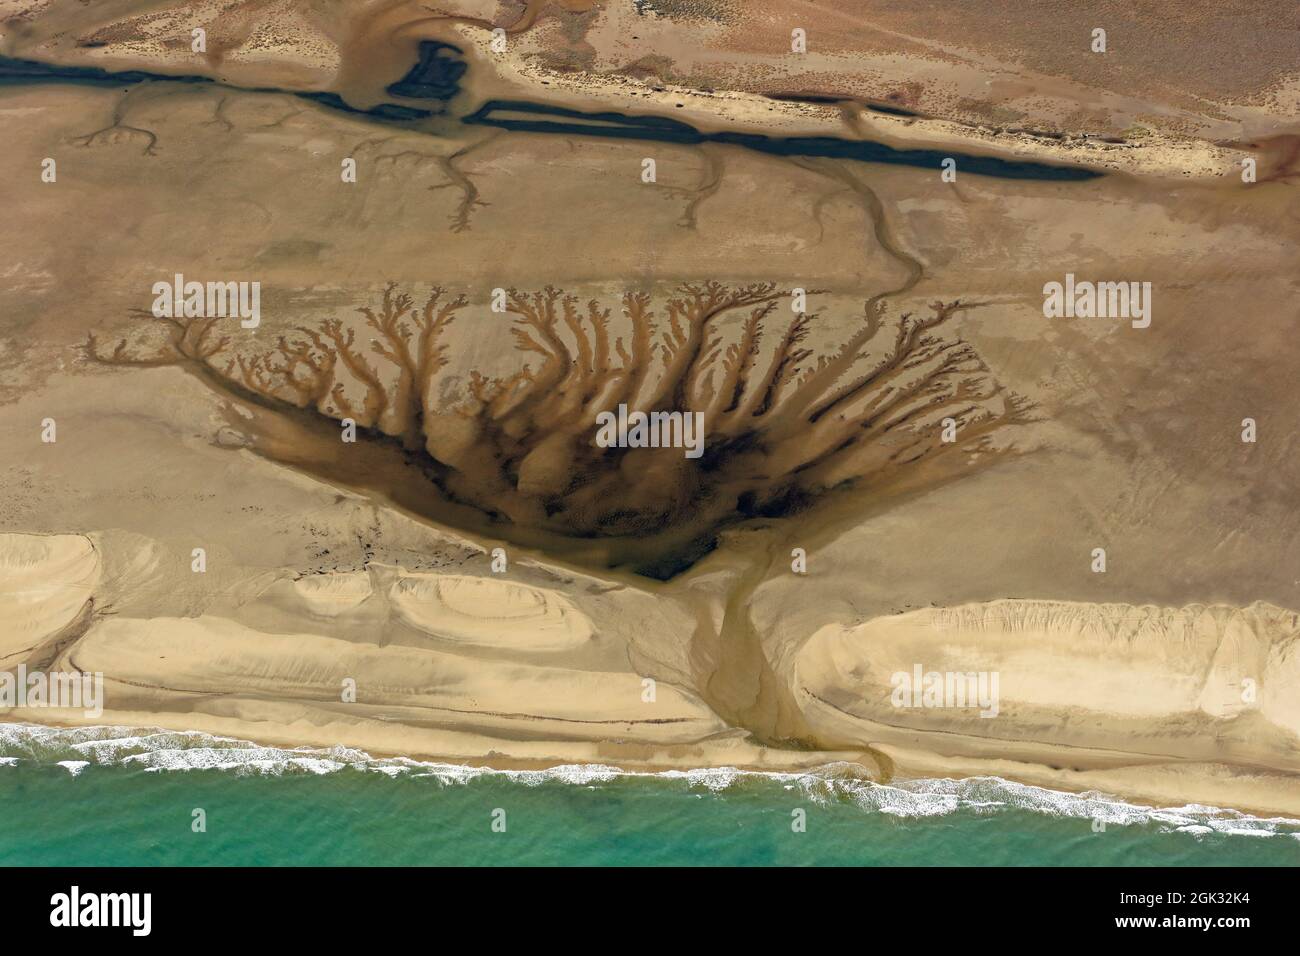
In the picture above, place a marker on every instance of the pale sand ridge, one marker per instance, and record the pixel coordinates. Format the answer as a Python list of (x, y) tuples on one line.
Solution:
[(491, 613), (47, 581)]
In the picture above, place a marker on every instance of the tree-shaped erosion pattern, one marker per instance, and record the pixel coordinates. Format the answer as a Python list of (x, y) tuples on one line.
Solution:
[(517, 455)]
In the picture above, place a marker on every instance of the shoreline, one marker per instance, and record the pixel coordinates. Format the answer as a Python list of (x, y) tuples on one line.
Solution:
[(715, 112), (910, 797), (818, 140), (1158, 156), (1161, 784)]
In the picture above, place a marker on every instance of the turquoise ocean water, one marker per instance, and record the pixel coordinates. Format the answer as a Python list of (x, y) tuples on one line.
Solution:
[(119, 796)]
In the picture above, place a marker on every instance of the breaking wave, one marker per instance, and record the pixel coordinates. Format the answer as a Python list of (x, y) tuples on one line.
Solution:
[(156, 750)]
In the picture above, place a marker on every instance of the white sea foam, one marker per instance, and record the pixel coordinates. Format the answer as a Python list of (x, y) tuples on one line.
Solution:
[(920, 798), (156, 750)]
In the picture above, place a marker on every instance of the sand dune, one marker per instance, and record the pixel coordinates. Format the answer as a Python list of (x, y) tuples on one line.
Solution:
[(45, 582), (216, 656), (490, 613), (329, 595), (1097, 675), (1196, 702)]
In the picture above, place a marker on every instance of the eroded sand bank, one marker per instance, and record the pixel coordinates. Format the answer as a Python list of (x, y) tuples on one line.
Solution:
[(1132, 681), (1163, 704)]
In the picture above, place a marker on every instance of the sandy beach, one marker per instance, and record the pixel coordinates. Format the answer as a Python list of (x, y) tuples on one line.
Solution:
[(342, 599)]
